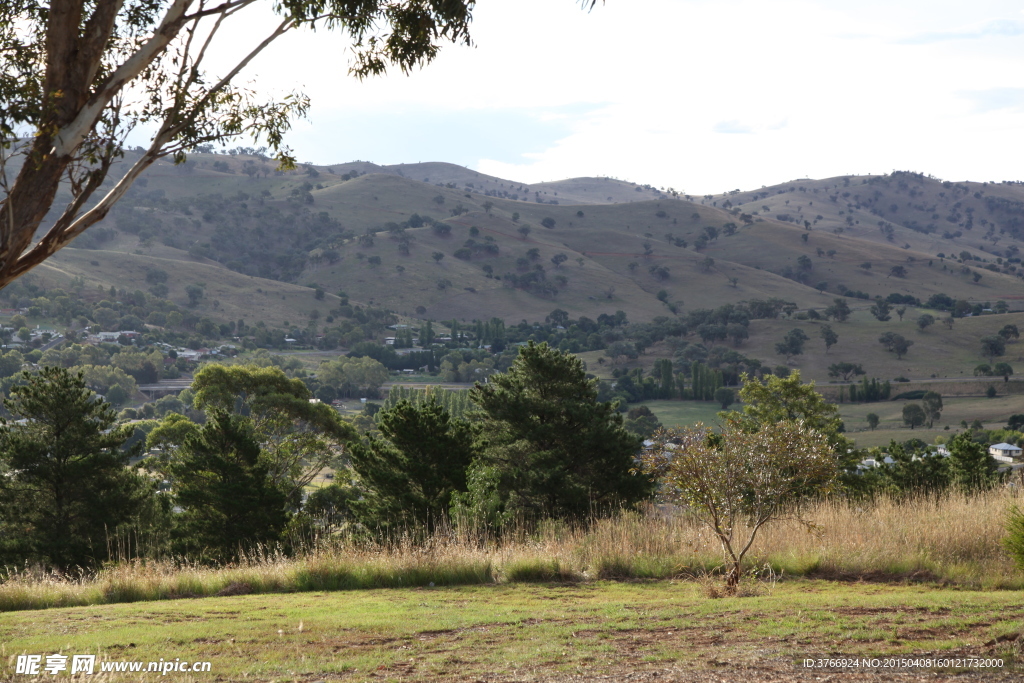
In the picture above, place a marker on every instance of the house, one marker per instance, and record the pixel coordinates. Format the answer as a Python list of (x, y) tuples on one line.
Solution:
[(1005, 452)]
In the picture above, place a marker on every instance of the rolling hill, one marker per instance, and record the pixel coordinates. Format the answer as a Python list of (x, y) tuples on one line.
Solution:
[(438, 241)]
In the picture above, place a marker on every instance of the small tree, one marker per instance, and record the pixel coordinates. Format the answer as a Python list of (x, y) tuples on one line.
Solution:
[(1003, 369), (828, 336), (524, 230), (925, 321), (992, 346), (437, 256), (914, 415), (740, 478), (872, 419), (792, 344), (880, 309), (932, 405), (971, 468), (845, 371), (838, 311), (725, 396)]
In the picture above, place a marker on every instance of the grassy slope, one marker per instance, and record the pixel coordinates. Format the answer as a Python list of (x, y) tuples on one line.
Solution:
[(529, 631), (229, 295), (610, 236)]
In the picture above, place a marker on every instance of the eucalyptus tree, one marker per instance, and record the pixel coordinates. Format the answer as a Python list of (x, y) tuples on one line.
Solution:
[(77, 76)]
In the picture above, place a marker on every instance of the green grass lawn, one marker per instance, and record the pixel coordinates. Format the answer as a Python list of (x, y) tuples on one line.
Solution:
[(993, 413), (682, 413), (527, 631)]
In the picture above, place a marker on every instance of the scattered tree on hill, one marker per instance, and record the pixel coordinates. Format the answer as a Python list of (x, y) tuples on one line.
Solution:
[(1009, 331), (437, 256), (1003, 369), (77, 76), (901, 311), (838, 311), (872, 419), (880, 309), (741, 478), (983, 370), (524, 230), (65, 484), (992, 346), (925, 321), (895, 343), (931, 403), (792, 344), (828, 336), (914, 415), (845, 371)]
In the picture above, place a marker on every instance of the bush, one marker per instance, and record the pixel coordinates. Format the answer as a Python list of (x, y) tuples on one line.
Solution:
[(909, 395), (1014, 541)]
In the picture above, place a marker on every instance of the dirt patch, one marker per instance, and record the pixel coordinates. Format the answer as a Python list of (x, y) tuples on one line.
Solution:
[(235, 588)]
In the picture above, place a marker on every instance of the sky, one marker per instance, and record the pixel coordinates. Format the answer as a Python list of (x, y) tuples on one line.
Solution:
[(703, 96)]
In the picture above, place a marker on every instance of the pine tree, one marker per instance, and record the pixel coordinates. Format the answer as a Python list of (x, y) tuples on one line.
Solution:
[(229, 502), (411, 471), (971, 468), (64, 480), (549, 447)]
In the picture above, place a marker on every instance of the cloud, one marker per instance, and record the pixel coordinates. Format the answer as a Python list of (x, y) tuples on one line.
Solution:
[(994, 99), (732, 127), (996, 28), (408, 134)]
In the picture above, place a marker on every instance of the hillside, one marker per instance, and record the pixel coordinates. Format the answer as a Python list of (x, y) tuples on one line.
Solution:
[(211, 208), (438, 241)]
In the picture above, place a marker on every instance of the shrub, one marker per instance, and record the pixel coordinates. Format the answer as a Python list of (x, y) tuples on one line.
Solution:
[(1014, 541)]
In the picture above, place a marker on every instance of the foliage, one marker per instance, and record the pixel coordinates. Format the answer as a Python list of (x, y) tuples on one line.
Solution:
[(792, 344), (642, 422), (931, 402), (229, 503), (779, 399), (64, 481), (971, 468), (845, 371), (78, 76), (895, 343), (549, 448), (1014, 540), (914, 473), (297, 438), (741, 477), (914, 415), (829, 336), (410, 472)]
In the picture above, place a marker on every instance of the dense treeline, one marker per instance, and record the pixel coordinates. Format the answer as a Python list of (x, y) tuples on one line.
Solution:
[(232, 476)]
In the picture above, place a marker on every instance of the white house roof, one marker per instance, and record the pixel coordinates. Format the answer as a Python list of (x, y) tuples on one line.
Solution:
[(1006, 447)]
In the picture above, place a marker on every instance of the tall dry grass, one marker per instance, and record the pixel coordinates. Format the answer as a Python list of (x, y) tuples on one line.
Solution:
[(953, 539)]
